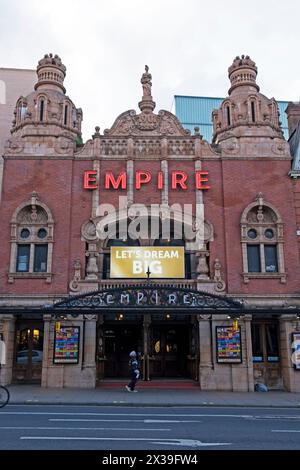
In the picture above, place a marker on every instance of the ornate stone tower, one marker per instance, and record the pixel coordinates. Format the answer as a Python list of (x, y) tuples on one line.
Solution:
[(246, 115), (46, 112)]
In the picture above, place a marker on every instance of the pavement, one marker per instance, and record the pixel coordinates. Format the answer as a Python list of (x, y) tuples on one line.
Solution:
[(117, 395)]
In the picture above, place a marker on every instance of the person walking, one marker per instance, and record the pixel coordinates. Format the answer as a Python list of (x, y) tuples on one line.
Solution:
[(134, 370)]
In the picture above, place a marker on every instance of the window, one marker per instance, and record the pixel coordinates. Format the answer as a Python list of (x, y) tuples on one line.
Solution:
[(40, 258), (253, 111), (23, 258), (271, 258), (31, 241), (253, 259), (228, 116), (21, 110), (42, 106), (257, 346), (265, 344), (66, 115), (262, 242)]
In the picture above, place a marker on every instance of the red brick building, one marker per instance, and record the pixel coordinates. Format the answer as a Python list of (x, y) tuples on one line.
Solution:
[(67, 322)]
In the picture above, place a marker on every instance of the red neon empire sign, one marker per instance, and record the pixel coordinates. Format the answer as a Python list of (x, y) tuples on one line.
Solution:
[(179, 179)]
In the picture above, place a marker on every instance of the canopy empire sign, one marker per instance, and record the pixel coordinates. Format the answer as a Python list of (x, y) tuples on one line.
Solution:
[(158, 296)]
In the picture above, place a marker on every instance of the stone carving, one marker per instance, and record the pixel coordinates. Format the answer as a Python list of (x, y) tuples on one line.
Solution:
[(181, 147), (132, 124), (146, 82), (202, 265), (280, 148), (220, 284), (231, 146), (88, 231), (32, 214), (90, 317), (148, 147), (63, 145), (74, 284), (205, 316), (14, 145), (146, 122), (92, 268)]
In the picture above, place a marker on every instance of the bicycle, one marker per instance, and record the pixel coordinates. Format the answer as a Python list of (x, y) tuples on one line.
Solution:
[(4, 394)]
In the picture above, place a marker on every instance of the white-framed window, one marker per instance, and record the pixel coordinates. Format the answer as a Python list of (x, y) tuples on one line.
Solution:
[(262, 241), (31, 241)]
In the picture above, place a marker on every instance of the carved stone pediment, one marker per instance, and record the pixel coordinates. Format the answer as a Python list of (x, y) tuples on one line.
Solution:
[(147, 124)]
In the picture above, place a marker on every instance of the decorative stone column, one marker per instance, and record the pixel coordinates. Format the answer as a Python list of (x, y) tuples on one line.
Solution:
[(100, 365), (249, 354), (291, 377), (47, 359), (89, 359), (7, 328), (206, 365)]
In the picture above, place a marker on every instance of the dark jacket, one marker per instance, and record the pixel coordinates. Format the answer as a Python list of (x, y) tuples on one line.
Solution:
[(134, 367)]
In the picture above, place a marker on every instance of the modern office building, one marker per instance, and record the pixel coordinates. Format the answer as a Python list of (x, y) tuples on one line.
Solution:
[(13, 84)]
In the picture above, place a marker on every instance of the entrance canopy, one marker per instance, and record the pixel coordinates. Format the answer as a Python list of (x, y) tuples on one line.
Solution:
[(151, 297), (154, 298)]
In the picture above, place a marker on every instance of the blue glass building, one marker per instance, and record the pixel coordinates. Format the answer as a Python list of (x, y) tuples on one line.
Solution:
[(195, 111)]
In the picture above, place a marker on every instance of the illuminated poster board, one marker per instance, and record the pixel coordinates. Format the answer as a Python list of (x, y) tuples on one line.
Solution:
[(66, 345), (228, 343), (296, 350), (134, 262)]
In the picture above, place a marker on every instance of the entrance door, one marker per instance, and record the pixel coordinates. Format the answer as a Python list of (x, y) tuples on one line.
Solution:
[(118, 342), (169, 351), (28, 352), (265, 353)]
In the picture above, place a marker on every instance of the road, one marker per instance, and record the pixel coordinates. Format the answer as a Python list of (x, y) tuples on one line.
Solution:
[(42, 427)]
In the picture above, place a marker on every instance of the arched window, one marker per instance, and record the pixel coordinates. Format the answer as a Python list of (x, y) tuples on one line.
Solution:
[(42, 110), (21, 110), (41, 105), (262, 241), (253, 113), (32, 241), (228, 116), (66, 114)]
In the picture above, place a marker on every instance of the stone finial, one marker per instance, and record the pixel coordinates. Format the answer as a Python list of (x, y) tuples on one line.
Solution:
[(260, 199), (243, 71), (51, 72), (97, 132), (147, 104)]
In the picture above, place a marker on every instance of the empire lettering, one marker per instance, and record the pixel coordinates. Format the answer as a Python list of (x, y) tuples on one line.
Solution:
[(178, 180)]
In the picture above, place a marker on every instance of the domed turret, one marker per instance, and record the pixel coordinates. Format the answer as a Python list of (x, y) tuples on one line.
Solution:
[(47, 111), (245, 113)]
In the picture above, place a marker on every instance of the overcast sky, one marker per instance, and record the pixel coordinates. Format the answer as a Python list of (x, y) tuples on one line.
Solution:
[(188, 46)]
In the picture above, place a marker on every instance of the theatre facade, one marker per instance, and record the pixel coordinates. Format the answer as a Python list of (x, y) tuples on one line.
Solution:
[(149, 238)]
